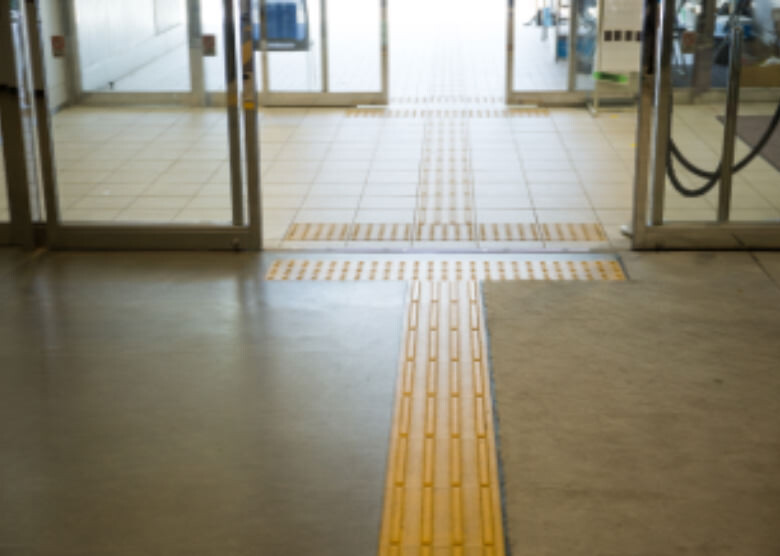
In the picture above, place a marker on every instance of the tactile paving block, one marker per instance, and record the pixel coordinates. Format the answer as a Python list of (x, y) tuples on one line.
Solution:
[(442, 487), (447, 99), (447, 231), (447, 113), (456, 269)]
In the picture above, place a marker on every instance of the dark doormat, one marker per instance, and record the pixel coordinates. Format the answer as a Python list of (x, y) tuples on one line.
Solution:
[(751, 128), (638, 418)]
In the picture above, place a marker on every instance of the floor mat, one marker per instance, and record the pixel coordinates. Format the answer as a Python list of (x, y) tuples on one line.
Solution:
[(637, 418)]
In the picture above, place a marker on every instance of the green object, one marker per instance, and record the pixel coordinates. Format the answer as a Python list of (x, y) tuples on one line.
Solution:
[(611, 77)]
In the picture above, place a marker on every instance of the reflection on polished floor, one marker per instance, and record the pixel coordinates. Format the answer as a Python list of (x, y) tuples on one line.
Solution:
[(182, 404), (4, 216)]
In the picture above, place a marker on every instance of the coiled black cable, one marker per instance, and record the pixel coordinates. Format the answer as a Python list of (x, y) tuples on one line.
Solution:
[(713, 177)]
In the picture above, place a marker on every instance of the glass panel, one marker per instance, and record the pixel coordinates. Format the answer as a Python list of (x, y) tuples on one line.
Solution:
[(450, 51), (702, 45), (354, 61), (133, 46), (587, 31), (294, 45), (212, 15), (138, 163), (541, 45)]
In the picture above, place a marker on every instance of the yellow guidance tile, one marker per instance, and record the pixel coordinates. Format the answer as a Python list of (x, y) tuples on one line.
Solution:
[(436, 223), (442, 489), (462, 268)]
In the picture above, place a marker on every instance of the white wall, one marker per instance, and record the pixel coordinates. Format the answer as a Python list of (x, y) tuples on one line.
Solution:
[(118, 37), (56, 68)]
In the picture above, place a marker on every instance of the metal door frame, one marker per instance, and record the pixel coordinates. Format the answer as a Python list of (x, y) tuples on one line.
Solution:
[(648, 229), (242, 234), (17, 133), (326, 97)]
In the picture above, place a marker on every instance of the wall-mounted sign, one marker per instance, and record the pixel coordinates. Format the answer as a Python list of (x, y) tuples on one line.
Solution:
[(209, 45), (58, 46), (621, 39)]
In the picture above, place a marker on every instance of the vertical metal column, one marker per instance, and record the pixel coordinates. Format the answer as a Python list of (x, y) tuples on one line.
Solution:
[(510, 50), (324, 46), (644, 130), (43, 119), (195, 41), (233, 118), (663, 109), (385, 51), (72, 62), (251, 123), (701, 80), (730, 127), (574, 23), (266, 80), (19, 176)]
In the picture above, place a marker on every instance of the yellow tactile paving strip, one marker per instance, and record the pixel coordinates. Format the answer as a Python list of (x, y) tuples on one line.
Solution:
[(447, 99), (446, 270), (445, 192), (446, 231), (446, 113), (442, 488), (442, 491)]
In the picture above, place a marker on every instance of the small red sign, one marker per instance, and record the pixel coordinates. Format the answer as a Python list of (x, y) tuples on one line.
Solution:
[(688, 42), (209, 45), (58, 46)]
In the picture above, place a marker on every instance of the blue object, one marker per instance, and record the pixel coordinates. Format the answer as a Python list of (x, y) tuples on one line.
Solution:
[(286, 23)]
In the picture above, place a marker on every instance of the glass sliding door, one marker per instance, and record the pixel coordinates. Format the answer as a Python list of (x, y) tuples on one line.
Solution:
[(132, 46), (144, 175), (552, 48), (323, 52)]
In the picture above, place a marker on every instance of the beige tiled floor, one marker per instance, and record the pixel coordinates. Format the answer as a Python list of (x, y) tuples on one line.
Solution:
[(322, 165)]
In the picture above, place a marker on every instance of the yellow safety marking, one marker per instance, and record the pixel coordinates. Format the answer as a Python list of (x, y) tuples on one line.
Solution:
[(442, 489), (442, 485), (438, 113), (434, 226), (509, 269)]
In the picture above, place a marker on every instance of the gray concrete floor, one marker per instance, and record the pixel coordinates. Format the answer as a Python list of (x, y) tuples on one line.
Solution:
[(642, 418), (176, 404)]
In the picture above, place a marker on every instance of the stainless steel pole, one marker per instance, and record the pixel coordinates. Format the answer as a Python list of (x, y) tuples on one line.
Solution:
[(385, 51), (701, 81), (43, 120), (233, 119), (16, 145), (251, 123), (265, 78), (644, 130), (574, 25), (324, 46), (663, 109), (510, 51), (730, 127), (195, 41)]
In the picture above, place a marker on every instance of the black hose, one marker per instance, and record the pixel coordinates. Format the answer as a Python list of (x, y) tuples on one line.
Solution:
[(713, 177)]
